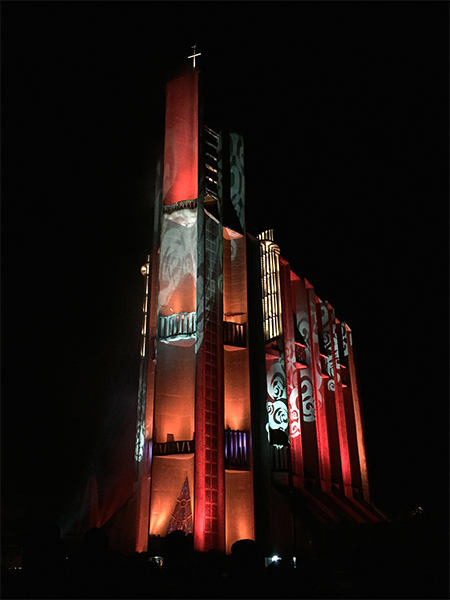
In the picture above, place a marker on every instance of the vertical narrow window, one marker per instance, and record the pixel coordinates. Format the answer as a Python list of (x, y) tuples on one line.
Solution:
[(270, 284)]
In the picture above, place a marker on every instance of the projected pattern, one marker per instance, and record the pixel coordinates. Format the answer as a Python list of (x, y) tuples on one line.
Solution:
[(178, 262), (237, 181), (182, 514), (277, 407)]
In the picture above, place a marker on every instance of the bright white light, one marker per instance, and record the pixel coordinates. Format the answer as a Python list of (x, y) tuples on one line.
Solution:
[(276, 558)]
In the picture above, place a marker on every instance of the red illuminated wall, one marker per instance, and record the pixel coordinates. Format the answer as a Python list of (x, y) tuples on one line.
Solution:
[(358, 416), (181, 139), (332, 436), (209, 458), (323, 441), (339, 399), (292, 375)]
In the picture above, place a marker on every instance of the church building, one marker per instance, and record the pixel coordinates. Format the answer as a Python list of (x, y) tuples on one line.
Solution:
[(249, 417)]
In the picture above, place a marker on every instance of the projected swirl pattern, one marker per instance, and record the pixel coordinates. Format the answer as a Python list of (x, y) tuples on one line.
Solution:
[(294, 411), (309, 413), (304, 328), (277, 407)]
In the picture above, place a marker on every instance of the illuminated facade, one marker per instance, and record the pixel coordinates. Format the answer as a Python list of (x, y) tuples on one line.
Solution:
[(249, 418)]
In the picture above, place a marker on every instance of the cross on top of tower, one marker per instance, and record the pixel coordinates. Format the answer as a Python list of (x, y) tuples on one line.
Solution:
[(194, 55)]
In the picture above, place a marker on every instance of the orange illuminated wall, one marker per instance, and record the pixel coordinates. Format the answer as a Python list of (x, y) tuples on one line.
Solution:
[(175, 385), (239, 523), (170, 409), (234, 276), (236, 377), (237, 389), (174, 403), (174, 397), (239, 509), (169, 473)]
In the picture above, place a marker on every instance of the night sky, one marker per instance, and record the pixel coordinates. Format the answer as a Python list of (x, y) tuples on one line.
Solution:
[(344, 112)]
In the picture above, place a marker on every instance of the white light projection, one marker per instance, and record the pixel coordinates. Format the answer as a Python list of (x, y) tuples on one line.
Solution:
[(292, 375), (326, 337), (337, 379), (344, 339), (315, 340), (309, 413), (303, 327), (233, 249), (178, 262), (330, 372), (325, 327), (294, 413), (237, 180), (306, 384), (277, 408), (334, 378), (140, 439)]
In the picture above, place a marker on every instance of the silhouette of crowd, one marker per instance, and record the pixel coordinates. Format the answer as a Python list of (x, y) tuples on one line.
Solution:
[(51, 570)]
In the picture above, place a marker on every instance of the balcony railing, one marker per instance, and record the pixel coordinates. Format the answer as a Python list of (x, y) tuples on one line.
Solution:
[(280, 458), (170, 208), (173, 447), (237, 450), (234, 334), (177, 324)]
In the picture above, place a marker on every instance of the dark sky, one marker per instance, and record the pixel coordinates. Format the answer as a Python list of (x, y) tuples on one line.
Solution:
[(344, 112)]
